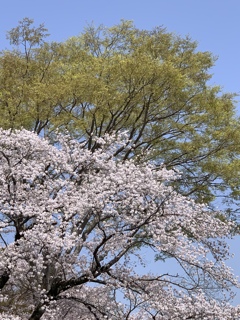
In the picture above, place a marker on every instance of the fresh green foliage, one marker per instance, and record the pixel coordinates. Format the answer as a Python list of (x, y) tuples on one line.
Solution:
[(153, 84)]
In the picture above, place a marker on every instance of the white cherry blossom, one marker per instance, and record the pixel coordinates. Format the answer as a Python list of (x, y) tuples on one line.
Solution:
[(73, 224)]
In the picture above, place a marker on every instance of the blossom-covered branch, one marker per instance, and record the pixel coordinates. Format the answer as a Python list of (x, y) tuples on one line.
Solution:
[(73, 222)]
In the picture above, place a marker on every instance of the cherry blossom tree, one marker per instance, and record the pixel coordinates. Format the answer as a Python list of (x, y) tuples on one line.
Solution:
[(73, 225)]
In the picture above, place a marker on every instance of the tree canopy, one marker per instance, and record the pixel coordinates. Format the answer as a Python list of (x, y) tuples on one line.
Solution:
[(73, 223), (152, 83)]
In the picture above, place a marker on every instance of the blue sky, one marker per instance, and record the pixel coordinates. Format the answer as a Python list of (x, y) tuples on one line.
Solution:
[(215, 24)]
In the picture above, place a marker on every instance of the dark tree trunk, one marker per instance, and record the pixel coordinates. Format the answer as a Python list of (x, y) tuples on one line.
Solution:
[(37, 313), (4, 279)]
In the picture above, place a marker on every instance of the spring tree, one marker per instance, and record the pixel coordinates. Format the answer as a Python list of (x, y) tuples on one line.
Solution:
[(73, 226), (153, 84)]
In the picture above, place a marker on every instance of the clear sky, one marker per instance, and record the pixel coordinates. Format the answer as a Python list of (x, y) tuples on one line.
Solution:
[(215, 24)]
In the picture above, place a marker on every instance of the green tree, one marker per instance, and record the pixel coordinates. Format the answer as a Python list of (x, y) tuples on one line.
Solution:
[(153, 84)]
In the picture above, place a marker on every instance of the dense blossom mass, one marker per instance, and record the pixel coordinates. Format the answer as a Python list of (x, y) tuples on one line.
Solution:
[(73, 227)]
